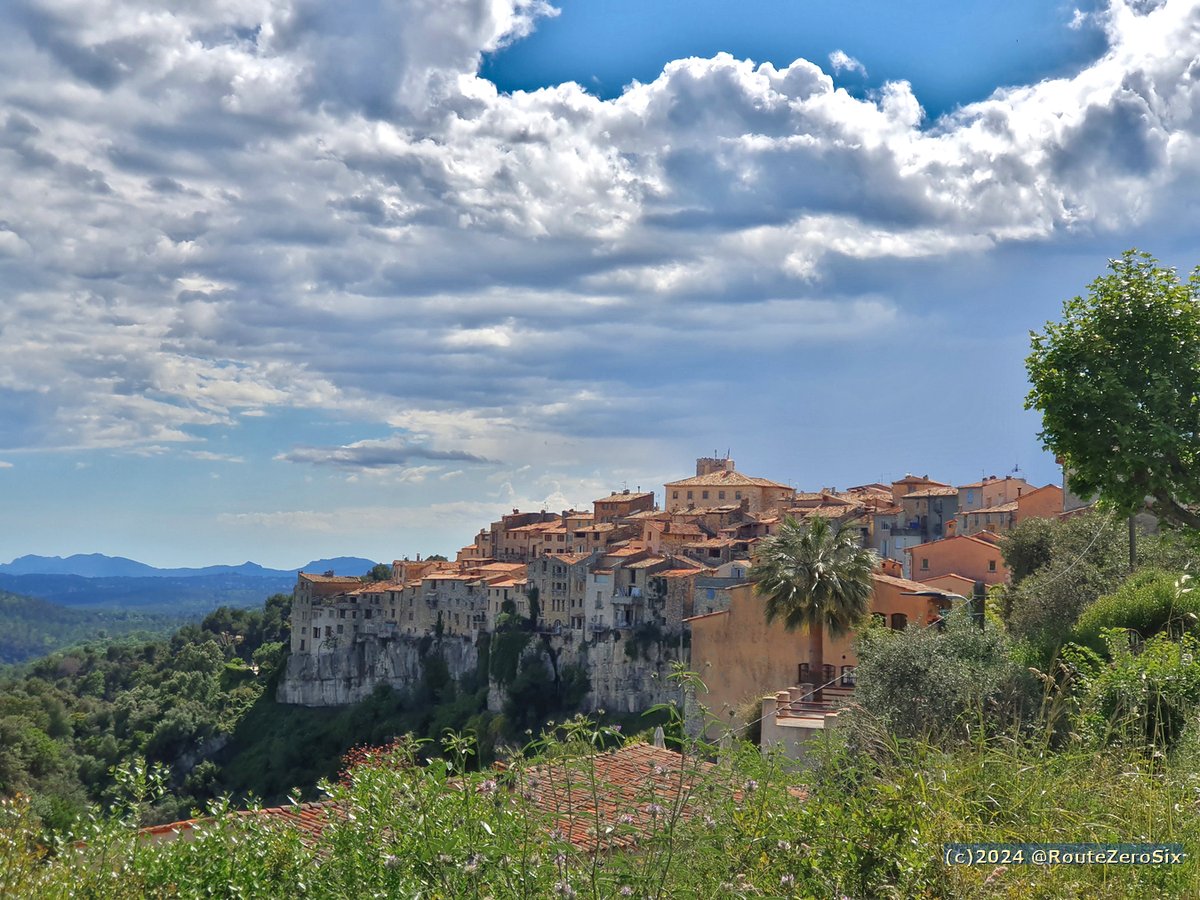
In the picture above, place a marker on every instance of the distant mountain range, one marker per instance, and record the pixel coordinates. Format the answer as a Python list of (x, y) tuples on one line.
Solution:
[(100, 582), (97, 565)]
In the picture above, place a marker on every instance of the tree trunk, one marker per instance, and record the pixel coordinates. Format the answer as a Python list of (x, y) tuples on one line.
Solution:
[(816, 661)]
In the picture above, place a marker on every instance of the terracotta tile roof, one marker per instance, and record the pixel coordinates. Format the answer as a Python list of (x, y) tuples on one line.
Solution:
[(682, 528), (1011, 506), (919, 479), (905, 583), (634, 787), (931, 492), (570, 558), (678, 573), (647, 563), (823, 512), (620, 498), (990, 538), (723, 479), (329, 579), (310, 819)]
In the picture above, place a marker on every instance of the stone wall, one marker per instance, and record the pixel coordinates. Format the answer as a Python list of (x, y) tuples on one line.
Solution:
[(350, 673)]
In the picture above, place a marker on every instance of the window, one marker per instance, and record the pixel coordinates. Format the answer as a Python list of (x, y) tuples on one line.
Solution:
[(991, 565), (689, 495), (737, 495), (847, 676), (341, 628), (674, 495), (316, 632), (899, 621), (341, 614), (329, 630), (720, 495), (924, 563), (704, 495), (301, 643)]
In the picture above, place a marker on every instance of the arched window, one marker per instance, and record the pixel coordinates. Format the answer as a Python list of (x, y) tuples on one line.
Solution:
[(899, 621)]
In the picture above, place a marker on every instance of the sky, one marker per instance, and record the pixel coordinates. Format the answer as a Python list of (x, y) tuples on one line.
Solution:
[(282, 279)]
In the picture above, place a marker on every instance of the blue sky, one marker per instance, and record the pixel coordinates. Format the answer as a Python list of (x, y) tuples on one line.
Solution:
[(283, 280)]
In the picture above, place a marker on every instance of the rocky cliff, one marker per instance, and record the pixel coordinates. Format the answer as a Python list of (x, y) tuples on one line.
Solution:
[(348, 674)]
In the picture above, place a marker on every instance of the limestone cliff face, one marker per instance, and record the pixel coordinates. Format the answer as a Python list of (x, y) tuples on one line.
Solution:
[(619, 683), (350, 673)]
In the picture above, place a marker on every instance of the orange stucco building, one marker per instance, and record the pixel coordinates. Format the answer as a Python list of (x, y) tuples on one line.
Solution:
[(976, 557), (740, 657)]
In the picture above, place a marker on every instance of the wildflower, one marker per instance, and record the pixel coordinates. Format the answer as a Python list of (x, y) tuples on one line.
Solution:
[(626, 891), (710, 822), (444, 859), (617, 729), (563, 889), (625, 819), (557, 835), (471, 865), (391, 862), (488, 787), (785, 845), (654, 810), (750, 786), (787, 880)]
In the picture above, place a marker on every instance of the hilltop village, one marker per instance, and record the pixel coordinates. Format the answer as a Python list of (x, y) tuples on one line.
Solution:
[(670, 580)]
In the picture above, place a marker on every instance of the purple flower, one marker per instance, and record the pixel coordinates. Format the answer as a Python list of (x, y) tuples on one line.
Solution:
[(751, 786), (564, 890), (471, 865), (626, 891), (625, 819), (654, 810), (489, 786), (391, 862), (787, 880)]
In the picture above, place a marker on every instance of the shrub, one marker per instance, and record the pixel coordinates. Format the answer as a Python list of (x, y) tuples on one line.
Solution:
[(940, 684), (1148, 602)]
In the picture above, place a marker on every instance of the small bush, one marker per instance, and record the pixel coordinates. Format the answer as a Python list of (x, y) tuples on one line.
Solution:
[(1148, 602)]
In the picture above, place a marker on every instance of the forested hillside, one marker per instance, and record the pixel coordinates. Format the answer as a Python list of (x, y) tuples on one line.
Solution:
[(30, 627)]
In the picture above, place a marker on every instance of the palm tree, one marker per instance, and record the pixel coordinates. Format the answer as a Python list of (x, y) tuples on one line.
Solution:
[(815, 577)]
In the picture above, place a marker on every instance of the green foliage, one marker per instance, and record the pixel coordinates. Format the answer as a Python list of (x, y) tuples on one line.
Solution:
[(1117, 382), (505, 655), (1085, 557), (642, 638), (1148, 602), (416, 824), (1143, 699), (379, 572), (941, 684), (30, 628), (68, 718)]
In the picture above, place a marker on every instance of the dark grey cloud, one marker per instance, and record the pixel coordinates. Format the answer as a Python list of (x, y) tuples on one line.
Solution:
[(397, 452)]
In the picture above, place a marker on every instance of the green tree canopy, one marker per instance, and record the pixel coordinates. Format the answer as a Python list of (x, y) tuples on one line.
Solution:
[(1118, 384)]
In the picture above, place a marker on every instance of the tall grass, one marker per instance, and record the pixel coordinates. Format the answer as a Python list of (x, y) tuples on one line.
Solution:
[(867, 822)]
